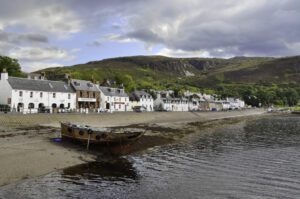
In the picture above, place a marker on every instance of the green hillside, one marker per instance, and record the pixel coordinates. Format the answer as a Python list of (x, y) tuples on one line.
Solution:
[(239, 76)]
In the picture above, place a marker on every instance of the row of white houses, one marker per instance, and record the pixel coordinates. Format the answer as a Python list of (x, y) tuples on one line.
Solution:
[(36, 94)]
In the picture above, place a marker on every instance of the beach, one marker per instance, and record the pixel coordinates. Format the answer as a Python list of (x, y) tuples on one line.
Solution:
[(28, 149)]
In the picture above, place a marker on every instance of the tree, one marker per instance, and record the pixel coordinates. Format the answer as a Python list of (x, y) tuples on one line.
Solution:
[(292, 96), (11, 65)]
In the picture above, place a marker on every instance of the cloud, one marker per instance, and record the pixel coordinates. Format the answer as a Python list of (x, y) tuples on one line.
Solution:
[(180, 53), (221, 28), (34, 66), (95, 43), (119, 38), (12, 37), (40, 54), (51, 17), (42, 30)]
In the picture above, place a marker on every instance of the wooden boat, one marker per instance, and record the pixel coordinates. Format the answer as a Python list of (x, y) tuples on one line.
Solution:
[(89, 134)]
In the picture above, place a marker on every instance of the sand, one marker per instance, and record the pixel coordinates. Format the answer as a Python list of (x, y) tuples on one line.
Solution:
[(27, 152)]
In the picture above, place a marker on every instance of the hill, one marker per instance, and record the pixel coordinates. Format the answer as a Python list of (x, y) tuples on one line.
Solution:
[(227, 77), (207, 71)]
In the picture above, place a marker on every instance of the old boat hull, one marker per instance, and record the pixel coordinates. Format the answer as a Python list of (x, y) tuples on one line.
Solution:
[(101, 135), (296, 112)]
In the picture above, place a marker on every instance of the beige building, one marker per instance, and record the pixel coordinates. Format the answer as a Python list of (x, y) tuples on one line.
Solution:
[(87, 94)]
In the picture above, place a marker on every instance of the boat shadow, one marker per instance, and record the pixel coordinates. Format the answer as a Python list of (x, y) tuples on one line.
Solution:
[(111, 169)]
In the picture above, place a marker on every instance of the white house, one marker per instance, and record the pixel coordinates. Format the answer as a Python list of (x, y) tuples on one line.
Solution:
[(171, 104), (113, 99), (141, 99), (33, 95), (236, 103)]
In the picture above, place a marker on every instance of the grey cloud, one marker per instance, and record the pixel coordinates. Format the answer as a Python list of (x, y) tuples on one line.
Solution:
[(222, 28), (145, 35), (17, 38), (95, 44), (256, 28), (33, 38)]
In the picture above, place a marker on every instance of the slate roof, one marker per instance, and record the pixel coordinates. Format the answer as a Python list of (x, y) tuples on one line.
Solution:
[(39, 85), (107, 91), (174, 99), (137, 95), (82, 85)]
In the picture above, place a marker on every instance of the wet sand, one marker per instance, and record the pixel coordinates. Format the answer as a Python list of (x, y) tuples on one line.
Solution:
[(27, 149)]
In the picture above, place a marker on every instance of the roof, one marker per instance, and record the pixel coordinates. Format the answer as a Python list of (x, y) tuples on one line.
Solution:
[(82, 85), (173, 98), (118, 92), (39, 85), (136, 95)]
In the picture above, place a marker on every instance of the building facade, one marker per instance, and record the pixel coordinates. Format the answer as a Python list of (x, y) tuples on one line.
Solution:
[(28, 95), (171, 104), (87, 95), (113, 99), (142, 100)]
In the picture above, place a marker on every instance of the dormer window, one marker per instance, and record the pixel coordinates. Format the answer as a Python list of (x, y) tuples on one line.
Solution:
[(76, 83), (89, 85)]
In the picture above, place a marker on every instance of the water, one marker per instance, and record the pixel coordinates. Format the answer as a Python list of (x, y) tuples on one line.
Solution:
[(252, 159)]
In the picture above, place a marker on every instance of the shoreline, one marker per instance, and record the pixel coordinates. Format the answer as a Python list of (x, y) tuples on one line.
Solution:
[(27, 150), (117, 118)]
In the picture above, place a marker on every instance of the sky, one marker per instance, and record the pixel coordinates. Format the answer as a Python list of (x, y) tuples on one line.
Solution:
[(42, 34)]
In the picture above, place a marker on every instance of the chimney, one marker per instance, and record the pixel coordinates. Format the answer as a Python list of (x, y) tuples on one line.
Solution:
[(158, 95), (43, 75), (4, 74), (69, 79)]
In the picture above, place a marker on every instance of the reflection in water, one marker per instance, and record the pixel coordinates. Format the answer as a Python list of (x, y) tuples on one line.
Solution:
[(114, 169), (251, 159)]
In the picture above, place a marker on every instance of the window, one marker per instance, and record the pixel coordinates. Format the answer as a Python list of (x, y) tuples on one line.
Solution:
[(69, 105), (31, 94), (31, 105), (119, 106), (20, 93), (94, 94), (69, 96), (80, 94), (41, 94), (54, 95)]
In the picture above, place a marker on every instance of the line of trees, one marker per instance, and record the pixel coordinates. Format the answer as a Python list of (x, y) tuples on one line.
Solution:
[(263, 96)]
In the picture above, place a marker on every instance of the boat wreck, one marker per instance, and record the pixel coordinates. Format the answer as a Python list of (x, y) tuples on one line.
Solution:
[(107, 136)]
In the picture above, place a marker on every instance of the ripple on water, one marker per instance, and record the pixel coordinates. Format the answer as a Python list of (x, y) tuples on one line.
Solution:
[(251, 159)]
